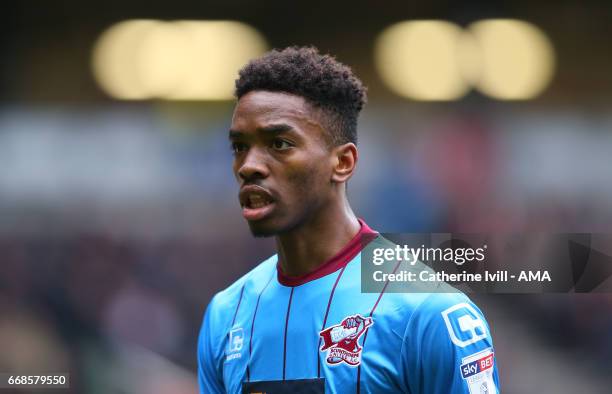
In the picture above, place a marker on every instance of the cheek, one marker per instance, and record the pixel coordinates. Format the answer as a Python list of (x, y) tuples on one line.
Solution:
[(309, 179)]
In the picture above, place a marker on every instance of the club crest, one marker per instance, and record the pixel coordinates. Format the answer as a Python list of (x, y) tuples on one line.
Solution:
[(341, 341)]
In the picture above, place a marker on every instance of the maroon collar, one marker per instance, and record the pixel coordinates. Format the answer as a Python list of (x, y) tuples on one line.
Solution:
[(342, 258)]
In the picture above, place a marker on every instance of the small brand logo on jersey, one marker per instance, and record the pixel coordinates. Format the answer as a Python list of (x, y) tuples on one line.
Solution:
[(235, 343), (342, 340)]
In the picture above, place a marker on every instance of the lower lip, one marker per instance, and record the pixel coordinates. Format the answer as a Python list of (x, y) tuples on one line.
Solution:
[(252, 214)]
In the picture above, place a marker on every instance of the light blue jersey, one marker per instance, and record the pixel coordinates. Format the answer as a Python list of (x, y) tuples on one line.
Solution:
[(268, 333)]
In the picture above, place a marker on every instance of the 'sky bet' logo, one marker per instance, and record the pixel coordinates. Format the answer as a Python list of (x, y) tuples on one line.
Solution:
[(342, 340)]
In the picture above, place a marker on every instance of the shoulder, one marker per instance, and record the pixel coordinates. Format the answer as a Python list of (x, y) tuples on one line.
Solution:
[(252, 281), (439, 306), (222, 307), (438, 302), (450, 318), (421, 308), (449, 321)]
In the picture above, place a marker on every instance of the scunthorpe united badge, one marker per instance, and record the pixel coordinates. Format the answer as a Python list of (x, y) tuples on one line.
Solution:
[(342, 340)]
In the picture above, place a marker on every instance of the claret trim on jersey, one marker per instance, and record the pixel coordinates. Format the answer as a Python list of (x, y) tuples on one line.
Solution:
[(342, 258)]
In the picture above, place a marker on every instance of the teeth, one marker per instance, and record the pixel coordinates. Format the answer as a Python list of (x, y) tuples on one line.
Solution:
[(257, 201)]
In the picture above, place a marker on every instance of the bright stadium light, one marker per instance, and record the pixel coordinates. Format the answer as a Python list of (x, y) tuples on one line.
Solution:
[(517, 60), (181, 60), (218, 51), (419, 60), (113, 60), (162, 59)]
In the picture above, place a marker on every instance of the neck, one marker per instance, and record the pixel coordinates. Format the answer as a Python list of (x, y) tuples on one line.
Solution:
[(305, 248)]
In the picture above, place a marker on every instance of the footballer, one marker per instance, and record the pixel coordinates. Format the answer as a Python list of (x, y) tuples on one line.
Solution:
[(298, 322)]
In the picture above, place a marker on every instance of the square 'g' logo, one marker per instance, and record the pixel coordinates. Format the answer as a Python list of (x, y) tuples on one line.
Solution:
[(464, 324)]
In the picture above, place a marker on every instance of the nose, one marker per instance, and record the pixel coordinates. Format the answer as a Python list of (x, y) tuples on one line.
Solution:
[(253, 165)]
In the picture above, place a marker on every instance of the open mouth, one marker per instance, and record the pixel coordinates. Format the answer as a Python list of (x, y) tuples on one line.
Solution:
[(256, 202)]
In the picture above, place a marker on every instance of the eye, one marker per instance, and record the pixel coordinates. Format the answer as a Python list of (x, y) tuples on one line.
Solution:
[(280, 144), (238, 147)]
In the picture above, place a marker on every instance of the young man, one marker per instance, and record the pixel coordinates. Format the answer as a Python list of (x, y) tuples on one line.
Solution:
[(299, 322)]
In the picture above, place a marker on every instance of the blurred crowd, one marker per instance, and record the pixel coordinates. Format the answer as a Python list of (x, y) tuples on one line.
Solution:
[(118, 228)]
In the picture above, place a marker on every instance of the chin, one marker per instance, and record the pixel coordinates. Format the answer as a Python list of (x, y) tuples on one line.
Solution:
[(261, 229), (269, 228)]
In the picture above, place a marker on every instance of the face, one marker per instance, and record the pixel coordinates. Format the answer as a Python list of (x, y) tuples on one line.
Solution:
[(282, 161)]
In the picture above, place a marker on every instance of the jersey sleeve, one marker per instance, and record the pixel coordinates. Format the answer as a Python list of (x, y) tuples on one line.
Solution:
[(448, 348), (209, 367)]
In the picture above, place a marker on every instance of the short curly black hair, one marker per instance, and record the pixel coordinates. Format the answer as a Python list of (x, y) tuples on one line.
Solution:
[(321, 79)]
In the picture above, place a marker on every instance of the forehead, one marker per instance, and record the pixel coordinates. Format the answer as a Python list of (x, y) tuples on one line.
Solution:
[(259, 108)]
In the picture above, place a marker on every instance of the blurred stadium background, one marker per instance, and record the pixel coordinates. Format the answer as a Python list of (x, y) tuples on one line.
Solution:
[(118, 211)]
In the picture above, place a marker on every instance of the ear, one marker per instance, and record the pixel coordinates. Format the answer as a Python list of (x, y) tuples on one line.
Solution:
[(344, 162)]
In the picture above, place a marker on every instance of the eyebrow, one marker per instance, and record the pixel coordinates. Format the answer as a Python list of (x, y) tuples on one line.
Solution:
[(273, 129)]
